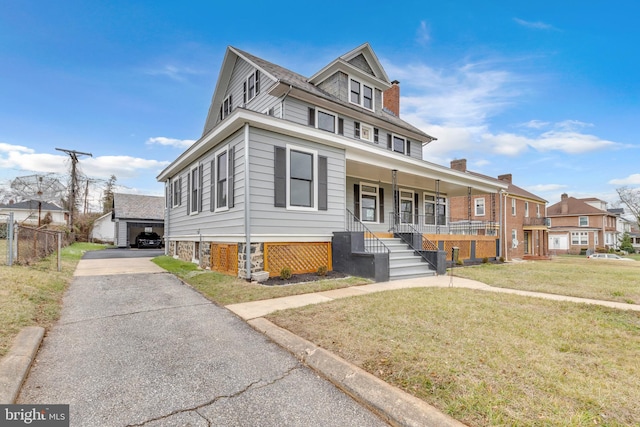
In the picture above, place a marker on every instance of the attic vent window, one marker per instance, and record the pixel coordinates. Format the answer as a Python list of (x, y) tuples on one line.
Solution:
[(251, 86)]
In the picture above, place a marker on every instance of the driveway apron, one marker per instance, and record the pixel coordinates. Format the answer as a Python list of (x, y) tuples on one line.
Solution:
[(144, 349)]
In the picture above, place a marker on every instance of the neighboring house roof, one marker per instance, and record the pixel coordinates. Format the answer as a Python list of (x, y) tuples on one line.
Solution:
[(512, 189), (135, 206), (574, 207), (298, 81), (616, 211), (33, 205)]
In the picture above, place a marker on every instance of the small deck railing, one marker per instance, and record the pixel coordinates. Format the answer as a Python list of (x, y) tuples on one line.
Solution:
[(372, 244), (425, 224)]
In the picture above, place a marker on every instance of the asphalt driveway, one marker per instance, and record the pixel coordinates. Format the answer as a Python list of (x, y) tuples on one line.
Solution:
[(145, 349)]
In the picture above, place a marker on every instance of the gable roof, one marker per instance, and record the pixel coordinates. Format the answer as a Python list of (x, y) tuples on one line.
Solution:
[(575, 207), (286, 79), (512, 189), (137, 206), (32, 205)]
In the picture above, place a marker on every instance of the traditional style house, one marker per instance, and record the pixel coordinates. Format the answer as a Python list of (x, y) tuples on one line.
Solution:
[(581, 225), (33, 212), (307, 172), (524, 234)]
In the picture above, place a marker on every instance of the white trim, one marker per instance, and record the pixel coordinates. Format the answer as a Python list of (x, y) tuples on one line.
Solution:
[(377, 195), (255, 84), (190, 197), (255, 238), (477, 205), (526, 209), (435, 204), (214, 177), (361, 95), (513, 207), (579, 222), (226, 111), (413, 207), (314, 201), (329, 113), (393, 149)]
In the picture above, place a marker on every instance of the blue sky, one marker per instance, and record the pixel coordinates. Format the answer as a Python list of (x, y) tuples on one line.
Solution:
[(547, 91)]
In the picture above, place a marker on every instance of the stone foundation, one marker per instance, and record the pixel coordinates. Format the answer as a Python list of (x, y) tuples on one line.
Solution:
[(257, 259), (185, 251)]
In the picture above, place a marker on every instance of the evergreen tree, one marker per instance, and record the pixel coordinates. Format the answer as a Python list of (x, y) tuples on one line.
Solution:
[(107, 194)]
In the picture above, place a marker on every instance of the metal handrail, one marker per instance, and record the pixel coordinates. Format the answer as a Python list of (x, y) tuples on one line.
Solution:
[(372, 244), (397, 224)]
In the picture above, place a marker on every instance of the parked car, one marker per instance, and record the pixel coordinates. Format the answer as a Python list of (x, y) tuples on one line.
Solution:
[(612, 257), (148, 240)]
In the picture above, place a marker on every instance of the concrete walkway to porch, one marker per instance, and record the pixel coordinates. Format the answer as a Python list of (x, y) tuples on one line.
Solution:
[(256, 309)]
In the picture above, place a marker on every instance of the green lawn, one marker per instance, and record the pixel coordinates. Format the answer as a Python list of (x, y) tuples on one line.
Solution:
[(567, 275)]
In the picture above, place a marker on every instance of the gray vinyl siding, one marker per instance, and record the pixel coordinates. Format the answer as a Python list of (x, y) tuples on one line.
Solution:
[(361, 63), (212, 223), (298, 111), (337, 85), (268, 219), (121, 234)]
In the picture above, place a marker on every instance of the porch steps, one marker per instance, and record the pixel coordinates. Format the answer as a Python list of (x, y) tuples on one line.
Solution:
[(403, 262)]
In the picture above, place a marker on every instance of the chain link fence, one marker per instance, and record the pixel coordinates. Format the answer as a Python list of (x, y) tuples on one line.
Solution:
[(24, 245)]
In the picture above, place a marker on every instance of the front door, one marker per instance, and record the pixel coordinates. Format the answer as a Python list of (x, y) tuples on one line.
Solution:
[(527, 242)]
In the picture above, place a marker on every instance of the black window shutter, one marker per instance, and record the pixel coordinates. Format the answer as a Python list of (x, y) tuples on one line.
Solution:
[(389, 142), (230, 103), (180, 191), (340, 126), (257, 82), (231, 172), (188, 193), (356, 200), (381, 205), (312, 117), (280, 177), (212, 188), (375, 135), (244, 92), (323, 178), (408, 147), (221, 112), (415, 207), (200, 179)]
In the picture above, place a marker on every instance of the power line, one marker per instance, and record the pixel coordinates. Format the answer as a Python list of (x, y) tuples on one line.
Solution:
[(73, 154)]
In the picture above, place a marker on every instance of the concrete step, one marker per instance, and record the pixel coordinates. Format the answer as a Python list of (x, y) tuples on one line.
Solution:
[(407, 272)]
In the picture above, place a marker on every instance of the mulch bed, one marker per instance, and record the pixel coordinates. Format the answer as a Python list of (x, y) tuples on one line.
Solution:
[(302, 278)]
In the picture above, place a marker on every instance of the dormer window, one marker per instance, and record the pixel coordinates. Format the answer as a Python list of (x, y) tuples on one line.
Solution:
[(360, 94)]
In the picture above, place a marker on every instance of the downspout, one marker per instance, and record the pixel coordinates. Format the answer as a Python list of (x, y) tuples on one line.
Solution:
[(167, 215), (282, 102), (506, 251), (247, 205)]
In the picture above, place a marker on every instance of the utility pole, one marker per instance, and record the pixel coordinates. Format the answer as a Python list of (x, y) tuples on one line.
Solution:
[(73, 154)]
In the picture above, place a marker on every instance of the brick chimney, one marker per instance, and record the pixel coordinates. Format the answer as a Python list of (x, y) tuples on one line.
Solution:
[(391, 98), (459, 165), (564, 200), (507, 177)]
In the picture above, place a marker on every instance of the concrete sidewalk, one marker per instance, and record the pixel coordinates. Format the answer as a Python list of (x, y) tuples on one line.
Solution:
[(256, 309)]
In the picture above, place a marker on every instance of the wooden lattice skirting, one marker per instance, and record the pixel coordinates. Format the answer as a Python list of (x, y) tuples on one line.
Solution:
[(224, 258), (300, 257)]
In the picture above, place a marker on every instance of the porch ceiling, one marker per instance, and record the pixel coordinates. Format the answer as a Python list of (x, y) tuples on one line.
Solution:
[(416, 179)]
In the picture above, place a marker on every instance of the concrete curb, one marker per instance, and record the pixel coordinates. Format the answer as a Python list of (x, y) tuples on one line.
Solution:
[(14, 367), (395, 406)]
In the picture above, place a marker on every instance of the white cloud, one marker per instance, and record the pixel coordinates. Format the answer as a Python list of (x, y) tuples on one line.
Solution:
[(176, 73), (180, 143), (535, 124), (633, 179), (9, 148), (423, 35), (535, 25), (545, 187)]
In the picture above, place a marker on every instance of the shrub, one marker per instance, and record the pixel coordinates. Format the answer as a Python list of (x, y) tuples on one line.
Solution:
[(485, 260), (459, 262), (501, 259), (322, 271), (601, 250), (285, 273)]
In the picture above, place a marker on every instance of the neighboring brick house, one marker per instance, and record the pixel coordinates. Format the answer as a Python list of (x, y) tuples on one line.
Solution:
[(525, 234), (578, 225)]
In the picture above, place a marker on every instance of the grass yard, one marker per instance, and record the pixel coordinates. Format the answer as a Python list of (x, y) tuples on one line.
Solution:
[(488, 359), (225, 290), (32, 295), (566, 275)]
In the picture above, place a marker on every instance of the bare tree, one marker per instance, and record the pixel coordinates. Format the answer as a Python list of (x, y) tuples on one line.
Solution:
[(631, 199)]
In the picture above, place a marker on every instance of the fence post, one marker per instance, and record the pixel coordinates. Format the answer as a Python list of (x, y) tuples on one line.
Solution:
[(10, 239), (59, 250)]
